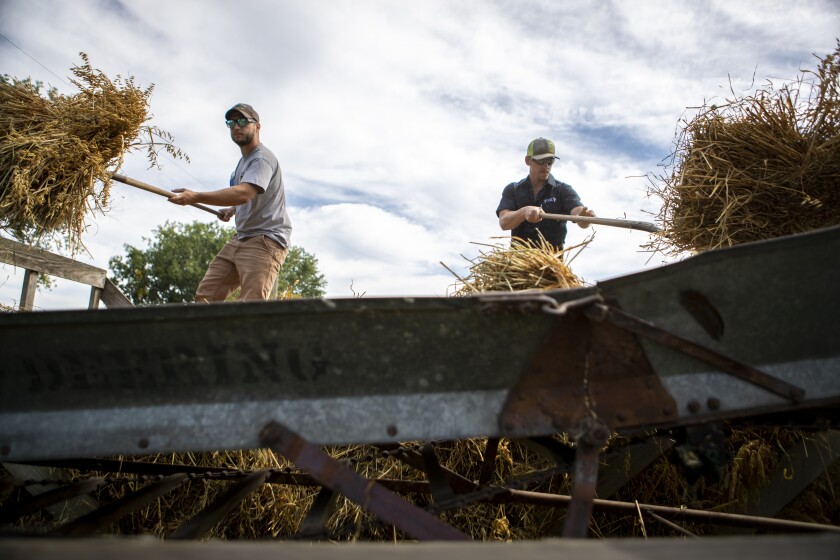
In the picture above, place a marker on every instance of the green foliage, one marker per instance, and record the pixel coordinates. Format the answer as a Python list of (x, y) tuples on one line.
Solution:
[(169, 270), (171, 267), (299, 275)]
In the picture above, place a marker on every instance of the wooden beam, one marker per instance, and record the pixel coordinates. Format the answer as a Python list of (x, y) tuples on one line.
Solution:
[(112, 297), (95, 296), (30, 285), (38, 260), (801, 464)]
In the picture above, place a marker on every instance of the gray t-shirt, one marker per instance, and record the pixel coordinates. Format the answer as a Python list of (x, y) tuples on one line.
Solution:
[(265, 214)]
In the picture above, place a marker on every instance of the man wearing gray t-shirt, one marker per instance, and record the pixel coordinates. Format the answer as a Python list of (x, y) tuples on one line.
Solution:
[(257, 198)]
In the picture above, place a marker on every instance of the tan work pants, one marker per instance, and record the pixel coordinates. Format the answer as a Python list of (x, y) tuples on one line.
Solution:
[(251, 264)]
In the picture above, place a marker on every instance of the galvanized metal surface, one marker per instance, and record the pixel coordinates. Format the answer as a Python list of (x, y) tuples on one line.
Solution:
[(200, 377), (774, 305)]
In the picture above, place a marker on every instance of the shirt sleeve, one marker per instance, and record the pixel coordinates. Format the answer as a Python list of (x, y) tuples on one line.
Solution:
[(508, 201), (258, 173)]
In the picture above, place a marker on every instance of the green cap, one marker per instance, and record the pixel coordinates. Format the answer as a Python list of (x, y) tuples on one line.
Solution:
[(541, 148)]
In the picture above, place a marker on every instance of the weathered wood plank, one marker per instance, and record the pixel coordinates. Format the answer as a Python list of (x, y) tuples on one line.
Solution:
[(38, 260), (113, 297), (95, 296), (27, 295)]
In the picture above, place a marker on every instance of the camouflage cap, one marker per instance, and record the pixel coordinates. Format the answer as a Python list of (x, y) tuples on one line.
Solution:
[(245, 110)]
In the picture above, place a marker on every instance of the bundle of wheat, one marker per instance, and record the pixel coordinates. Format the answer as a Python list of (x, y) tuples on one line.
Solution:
[(57, 152), (755, 167), (523, 265)]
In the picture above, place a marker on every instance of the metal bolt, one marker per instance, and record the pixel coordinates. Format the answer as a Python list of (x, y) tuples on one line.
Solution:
[(392, 430), (713, 403), (143, 443), (693, 406)]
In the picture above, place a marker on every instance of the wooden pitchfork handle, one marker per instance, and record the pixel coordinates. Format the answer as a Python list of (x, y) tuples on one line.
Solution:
[(629, 224), (152, 189)]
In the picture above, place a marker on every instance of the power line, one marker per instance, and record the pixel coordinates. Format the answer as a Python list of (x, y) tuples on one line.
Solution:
[(63, 80), (34, 59)]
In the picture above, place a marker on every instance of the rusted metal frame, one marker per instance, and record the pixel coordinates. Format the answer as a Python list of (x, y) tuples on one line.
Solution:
[(275, 477), (314, 525), (133, 467), (562, 454), (488, 466), (439, 484), (10, 512), (667, 523), (201, 523), (621, 319), (459, 483), (104, 516), (592, 435), (673, 513), (583, 492), (413, 521)]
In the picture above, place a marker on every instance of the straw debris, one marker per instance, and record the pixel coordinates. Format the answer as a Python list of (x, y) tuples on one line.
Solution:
[(755, 167), (57, 152), (523, 265)]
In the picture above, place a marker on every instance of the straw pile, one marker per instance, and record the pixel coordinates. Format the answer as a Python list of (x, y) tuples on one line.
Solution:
[(276, 510), (523, 265), (57, 152), (758, 166)]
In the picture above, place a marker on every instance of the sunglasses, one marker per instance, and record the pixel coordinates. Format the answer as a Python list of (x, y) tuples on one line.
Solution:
[(241, 121), (547, 161)]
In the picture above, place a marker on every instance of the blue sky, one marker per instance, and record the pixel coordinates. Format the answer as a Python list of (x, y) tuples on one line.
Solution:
[(397, 124)]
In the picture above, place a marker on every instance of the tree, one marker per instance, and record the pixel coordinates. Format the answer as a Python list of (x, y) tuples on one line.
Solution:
[(299, 275), (170, 268)]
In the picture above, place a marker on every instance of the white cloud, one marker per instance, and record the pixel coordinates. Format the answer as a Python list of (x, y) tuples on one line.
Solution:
[(398, 124)]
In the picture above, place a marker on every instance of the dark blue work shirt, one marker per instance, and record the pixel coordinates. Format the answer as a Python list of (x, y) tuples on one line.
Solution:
[(554, 198)]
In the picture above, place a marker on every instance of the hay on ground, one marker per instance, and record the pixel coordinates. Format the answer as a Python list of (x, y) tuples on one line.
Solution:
[(755, 167), (57, 152)]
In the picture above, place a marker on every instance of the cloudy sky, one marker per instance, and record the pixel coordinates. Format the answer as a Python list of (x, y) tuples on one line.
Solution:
[(397, 124)]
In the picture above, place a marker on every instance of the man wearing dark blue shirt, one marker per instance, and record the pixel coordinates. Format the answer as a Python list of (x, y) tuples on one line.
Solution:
[(523, 203)]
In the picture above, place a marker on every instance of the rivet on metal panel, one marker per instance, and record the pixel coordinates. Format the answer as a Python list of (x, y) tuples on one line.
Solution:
[(693, 406), (620, 416), (392, 430), (713, 403), (143, 443)]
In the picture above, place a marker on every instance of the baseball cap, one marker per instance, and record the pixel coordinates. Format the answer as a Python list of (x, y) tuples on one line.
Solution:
[(541, 148), (245, 110)]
